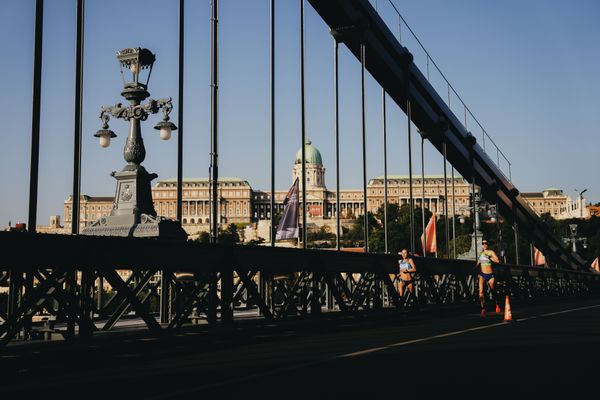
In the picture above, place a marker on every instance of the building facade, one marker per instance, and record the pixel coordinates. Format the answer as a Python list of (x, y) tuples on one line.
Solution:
[(239, 203), (554, 202), (234, 200), (91, 208), (593, 211)]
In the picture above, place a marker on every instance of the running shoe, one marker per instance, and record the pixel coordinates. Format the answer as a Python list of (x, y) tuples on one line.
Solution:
[(498, 309), (483, 313)]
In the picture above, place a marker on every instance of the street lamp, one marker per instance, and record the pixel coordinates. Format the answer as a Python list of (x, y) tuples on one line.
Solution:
[(573, 239), (476, 235), (472, 210), (492, 213), (488, 211), (133, 212)]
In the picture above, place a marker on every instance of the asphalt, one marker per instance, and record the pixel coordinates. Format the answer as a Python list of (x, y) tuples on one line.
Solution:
[(548, 349)]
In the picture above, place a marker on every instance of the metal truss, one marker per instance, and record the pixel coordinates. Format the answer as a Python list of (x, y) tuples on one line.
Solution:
[(56, 276)]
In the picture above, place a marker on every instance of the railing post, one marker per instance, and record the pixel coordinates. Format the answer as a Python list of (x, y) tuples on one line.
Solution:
[(85, 329), (227, 295), (330, 296), (165, 297), (14, 290), (315, 303), (100, 299), (211, 314), (378, 295)]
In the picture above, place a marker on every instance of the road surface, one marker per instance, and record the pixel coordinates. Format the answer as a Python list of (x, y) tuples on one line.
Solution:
[(548, 349)]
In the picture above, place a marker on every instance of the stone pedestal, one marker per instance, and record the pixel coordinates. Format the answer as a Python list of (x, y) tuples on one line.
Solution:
[(149, 226), (471, 255), (133, 213)]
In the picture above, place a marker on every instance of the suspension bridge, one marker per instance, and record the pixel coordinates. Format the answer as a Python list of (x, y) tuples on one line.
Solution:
[(204, 288)]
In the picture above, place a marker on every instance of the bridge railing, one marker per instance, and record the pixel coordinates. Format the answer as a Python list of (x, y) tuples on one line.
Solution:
[(169, 284)]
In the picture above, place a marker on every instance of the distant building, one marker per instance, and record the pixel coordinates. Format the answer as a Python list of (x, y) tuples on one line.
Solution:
[(239, 203), (90, 209), (593, 211), (19, 227), (54, 227), (554, 202)]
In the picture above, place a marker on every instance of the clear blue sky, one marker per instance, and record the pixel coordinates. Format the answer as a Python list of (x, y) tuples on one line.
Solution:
[(529, 71)]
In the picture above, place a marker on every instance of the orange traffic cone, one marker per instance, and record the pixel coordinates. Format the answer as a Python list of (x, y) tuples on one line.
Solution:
[(507, 312)]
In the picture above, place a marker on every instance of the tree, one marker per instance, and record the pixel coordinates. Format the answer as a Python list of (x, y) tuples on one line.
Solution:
[(230, 235), (463, 244), (356, 234), (398, 218), (323, 233), (204, 237)]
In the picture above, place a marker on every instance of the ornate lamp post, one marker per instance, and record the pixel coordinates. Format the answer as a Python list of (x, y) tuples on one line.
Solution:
[(488, 211), (476, 236), (133, 212), (573, 239), (480, 207)]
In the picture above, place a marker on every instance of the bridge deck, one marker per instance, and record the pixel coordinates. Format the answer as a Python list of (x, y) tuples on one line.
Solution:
[(541, 351)]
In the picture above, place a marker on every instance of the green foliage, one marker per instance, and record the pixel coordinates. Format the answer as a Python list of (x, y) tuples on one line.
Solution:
[(241, 225), (255, 242), (355, 236), (398, 220), (463, 244), (323, 233), (320, 238), (204, 238), (230, 235)]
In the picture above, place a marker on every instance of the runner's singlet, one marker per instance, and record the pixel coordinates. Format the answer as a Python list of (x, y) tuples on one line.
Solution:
[(404, 265), (484, 258)]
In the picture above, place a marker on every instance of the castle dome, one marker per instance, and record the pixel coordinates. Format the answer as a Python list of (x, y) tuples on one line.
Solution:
[(312, 154)]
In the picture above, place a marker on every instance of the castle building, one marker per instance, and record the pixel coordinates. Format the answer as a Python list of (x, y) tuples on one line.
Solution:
[(239, 203), (554, 202)]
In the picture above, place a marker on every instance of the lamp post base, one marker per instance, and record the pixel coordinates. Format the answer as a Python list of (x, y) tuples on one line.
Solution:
[(133, 213), (148, 226), (471, 254)]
